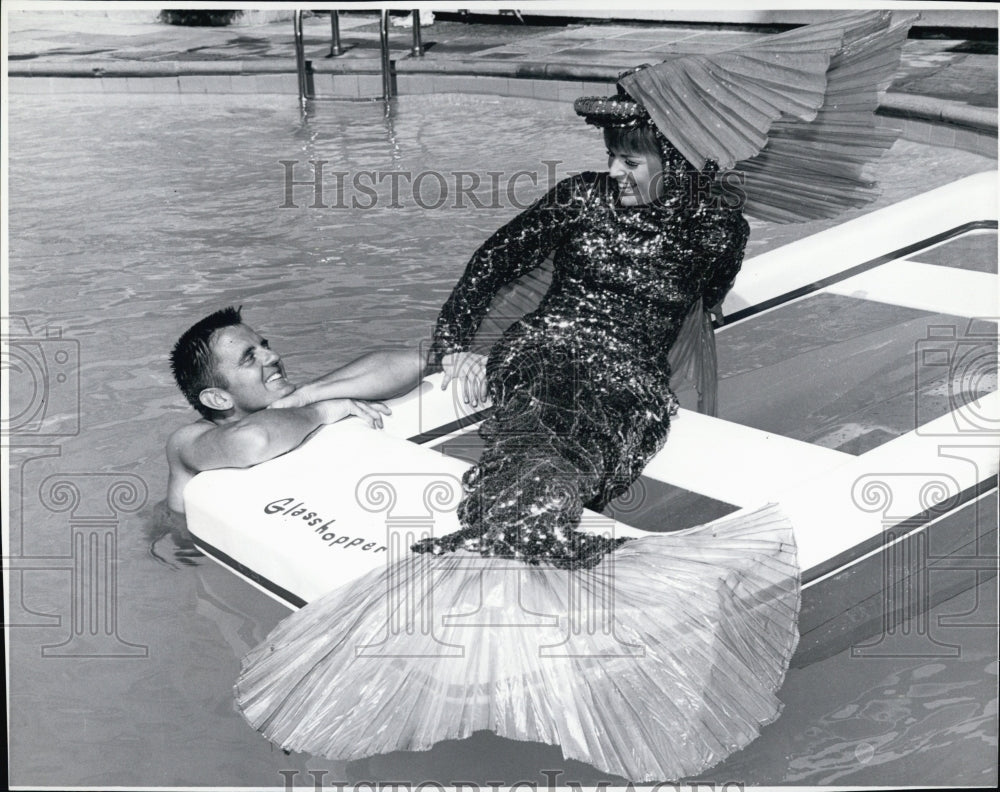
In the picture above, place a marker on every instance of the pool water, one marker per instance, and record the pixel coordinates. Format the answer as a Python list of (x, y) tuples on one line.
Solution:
[(129, 219)]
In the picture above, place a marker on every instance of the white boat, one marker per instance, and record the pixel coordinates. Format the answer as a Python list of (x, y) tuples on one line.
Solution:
[(879, 439)]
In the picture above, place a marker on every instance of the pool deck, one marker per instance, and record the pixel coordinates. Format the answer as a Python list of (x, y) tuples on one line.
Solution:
[(945, 91)]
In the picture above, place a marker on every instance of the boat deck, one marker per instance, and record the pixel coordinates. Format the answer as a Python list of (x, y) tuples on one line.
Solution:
[(858, 384)]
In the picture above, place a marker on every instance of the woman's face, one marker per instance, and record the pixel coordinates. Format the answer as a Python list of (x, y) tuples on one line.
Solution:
[(639, 175)]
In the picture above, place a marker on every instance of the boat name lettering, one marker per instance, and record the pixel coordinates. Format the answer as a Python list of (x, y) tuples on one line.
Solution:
[(288, 507)]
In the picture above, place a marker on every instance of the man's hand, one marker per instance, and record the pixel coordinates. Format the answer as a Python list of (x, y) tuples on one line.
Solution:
[(333, 410), (470, 369)]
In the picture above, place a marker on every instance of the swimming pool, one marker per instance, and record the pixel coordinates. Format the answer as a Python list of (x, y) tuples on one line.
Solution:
[(127, 221)]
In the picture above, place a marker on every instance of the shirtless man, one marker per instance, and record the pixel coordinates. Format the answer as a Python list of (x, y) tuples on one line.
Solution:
[(231, 376)]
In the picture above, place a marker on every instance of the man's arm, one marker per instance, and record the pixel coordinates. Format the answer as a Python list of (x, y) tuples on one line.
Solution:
[(375, 375), (263, 435)]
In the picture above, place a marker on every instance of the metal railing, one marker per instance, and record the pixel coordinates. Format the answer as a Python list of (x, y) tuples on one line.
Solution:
[(383, 41), (303, 67), (335, 48)]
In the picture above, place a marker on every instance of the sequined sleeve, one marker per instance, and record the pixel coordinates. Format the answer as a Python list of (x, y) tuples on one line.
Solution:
[(728, 264), (517, 248)]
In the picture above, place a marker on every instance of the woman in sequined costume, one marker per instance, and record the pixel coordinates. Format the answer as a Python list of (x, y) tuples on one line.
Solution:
[(581, 386), (651, 659)]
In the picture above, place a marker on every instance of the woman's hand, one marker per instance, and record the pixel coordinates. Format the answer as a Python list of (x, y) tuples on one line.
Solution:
[(470, 368), (716, 312)]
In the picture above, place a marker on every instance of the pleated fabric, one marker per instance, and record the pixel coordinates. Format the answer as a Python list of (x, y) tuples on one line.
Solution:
[(654, 665), (693, 358), (793, 114)]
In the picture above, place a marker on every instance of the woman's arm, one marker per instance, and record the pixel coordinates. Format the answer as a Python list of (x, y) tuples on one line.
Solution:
[(375, 375), (518, 247)]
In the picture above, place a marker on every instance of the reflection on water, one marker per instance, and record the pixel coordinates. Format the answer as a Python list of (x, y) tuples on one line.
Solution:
[(890, 720), (897, 716), (129, 222)]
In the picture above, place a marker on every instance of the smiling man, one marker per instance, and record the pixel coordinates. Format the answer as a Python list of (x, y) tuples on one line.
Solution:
[(230, 375)]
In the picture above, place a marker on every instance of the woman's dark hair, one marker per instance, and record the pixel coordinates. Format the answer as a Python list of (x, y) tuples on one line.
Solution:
[(681, 185), (192, 361), (640, 139)]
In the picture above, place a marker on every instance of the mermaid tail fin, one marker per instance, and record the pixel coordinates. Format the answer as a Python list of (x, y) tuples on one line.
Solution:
[(794, 112), (653, 665)]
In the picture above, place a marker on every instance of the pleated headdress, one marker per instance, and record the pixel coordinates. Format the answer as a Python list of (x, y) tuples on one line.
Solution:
[(793, 113)]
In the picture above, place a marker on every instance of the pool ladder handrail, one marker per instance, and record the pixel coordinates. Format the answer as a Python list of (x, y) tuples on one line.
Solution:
[(303, 67)]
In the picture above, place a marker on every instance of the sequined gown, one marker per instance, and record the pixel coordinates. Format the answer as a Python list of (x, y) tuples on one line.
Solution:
[(580, 386), (650, 660)]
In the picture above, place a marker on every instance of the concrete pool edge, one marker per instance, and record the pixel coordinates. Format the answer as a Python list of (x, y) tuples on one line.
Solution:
[(922, 119)]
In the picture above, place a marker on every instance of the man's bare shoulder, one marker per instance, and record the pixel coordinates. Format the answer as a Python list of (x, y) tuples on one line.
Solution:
[(179, 460), (182, 439)]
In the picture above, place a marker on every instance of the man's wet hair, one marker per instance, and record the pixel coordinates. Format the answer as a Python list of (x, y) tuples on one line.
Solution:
[(193, 363)]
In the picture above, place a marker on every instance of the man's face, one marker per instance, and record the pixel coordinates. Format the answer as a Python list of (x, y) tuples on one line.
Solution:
[(253, 373)]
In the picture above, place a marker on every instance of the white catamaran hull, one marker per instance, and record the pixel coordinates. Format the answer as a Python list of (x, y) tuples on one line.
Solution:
[(351, 498)]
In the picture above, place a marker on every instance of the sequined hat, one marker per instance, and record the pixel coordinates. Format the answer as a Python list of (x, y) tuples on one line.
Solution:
[(620, 110)]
